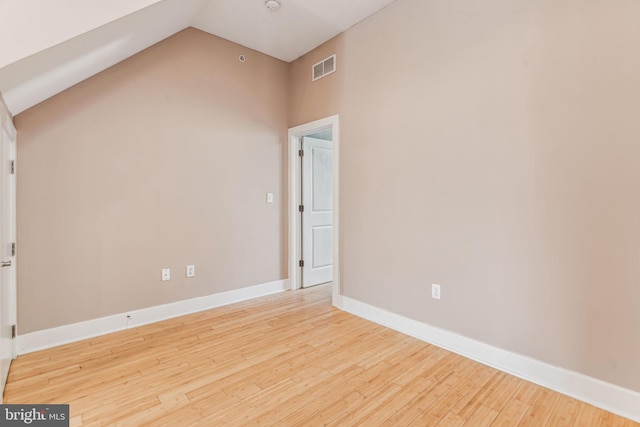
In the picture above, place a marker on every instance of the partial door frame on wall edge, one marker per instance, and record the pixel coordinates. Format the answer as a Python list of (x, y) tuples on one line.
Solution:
[(6, 119), (295, 133)]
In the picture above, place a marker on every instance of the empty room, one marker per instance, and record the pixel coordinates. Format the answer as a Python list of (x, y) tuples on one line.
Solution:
[(320, 212)]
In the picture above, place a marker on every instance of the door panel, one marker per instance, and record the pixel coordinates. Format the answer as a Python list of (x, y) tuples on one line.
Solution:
[(322, 246), (317, 197), (7, 236), (321, 179)]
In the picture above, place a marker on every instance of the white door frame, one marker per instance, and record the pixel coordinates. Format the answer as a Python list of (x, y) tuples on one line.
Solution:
[(6, 121), (14, 280), (295, 133)]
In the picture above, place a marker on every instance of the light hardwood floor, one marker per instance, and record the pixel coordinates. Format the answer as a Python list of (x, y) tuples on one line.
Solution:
[(289, 359)]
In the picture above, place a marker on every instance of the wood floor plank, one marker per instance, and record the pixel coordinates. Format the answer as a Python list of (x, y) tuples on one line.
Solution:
[(284, 360), (459, 388), (588, 416), (540, 408), (483, 416), (566, 410), (511, 414)]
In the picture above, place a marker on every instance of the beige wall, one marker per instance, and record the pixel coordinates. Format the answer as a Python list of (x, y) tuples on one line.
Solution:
[(161, 161), (492, 148)]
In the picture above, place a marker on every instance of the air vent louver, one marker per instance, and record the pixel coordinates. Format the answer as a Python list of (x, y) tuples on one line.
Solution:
[(324, 67)]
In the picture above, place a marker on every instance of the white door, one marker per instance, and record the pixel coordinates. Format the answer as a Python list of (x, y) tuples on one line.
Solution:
[(7, 249), (317, 201)]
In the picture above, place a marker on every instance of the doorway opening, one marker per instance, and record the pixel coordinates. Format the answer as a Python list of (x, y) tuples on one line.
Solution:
[(314, 204)]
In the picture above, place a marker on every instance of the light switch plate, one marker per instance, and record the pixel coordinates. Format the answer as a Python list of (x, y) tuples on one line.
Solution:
[(269, 197)]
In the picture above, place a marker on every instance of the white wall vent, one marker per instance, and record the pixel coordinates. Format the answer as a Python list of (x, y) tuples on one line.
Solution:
[(324, 67)]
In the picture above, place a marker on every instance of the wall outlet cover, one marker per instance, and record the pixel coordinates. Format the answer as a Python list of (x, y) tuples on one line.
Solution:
[(435, 291), (190, 270)]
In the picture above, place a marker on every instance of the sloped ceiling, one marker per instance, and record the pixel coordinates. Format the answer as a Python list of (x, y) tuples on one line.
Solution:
[(49, 46), (38, 76)]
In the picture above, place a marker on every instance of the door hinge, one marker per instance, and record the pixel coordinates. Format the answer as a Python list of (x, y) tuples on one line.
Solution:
[(301, 263), (301, 153), (12, 166), (13, 331), (301, 208), (13, 249)]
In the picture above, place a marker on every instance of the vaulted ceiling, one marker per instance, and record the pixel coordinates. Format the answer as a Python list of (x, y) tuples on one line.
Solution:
[(48, 46)]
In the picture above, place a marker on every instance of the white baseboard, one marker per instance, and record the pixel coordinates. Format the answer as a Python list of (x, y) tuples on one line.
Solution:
[(40, 340), (609, 397)]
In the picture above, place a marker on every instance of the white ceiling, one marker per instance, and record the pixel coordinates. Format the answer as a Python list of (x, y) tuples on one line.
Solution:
[(286, 33), (47, 47)]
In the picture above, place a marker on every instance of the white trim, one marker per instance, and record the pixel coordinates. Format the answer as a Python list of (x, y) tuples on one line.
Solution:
[(607, 396), (296, 132), (40, 340), (6, 123), (13, 301), (6, 119)]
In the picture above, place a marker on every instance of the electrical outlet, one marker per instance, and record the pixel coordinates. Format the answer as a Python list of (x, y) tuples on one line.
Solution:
[(166, 274), (435, 291), (191, 270), (269, 197)]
